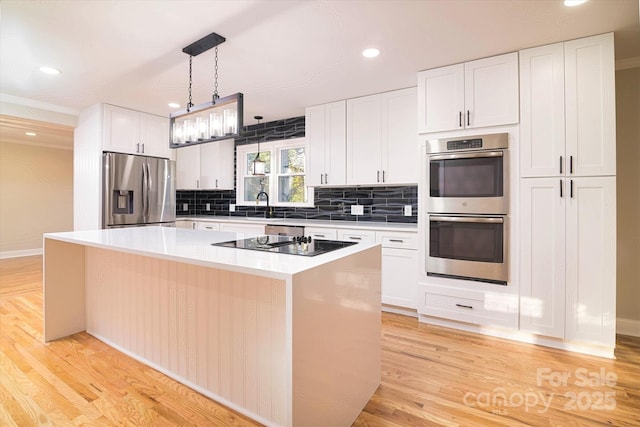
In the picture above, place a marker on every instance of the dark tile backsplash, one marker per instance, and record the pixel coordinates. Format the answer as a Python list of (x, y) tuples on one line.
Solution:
[(381, 204), (330, 204)]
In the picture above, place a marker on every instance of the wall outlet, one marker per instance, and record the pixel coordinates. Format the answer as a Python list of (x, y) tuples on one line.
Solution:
[(185, 206), (407, 210), (357, 210), (232, 207), (208, 206)]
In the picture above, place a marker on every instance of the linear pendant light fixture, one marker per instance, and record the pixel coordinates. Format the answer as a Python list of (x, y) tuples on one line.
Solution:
[(221, 118)]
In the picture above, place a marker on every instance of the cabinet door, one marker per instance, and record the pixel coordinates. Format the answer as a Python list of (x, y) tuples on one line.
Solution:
[(154, 135), (315, 134), (591, 260), (542, 111), (364, 140), (542, 256), (335, 143), (399, 277), (491, 91), (441, 99), (590, 105), (121, 130), (188, 167), (216, 165), (183, 223), (400, 157)]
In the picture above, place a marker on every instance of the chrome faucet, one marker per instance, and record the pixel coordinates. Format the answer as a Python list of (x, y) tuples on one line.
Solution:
[(264, 193)]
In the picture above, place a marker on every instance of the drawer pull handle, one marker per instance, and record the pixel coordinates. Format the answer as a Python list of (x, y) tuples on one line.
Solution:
[(396, 240), (355, 238), (320, 235), (464, 306)]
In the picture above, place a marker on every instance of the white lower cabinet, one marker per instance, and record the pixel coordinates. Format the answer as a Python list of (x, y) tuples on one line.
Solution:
[(183, 223), (399, 268), (321, 233), (355, 235), (568, 258), (207, 225), (480, 307), (249, 229)]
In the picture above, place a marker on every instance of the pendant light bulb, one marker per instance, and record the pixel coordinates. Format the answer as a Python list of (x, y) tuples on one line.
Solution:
[(259, 167)]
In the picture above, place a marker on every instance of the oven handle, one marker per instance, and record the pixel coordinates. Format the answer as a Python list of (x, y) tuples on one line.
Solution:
[(466, 219), (473, 155)]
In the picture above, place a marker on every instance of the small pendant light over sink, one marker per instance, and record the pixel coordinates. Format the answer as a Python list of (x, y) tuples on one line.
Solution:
[(258, 166)]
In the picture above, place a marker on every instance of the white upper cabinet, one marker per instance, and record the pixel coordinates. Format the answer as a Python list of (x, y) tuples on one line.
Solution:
[(188, 168), (326, 130), (364, 140), (400, 159), (382, 139), (567, 101), (216, 165), (207, 166), (590, 105), (133, 132), (475, 94), (542, 111)]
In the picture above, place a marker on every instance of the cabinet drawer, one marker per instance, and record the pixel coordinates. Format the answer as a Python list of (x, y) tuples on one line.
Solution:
[(249, 229), (397, 239), (211, 226), (367, 236), (321, 233), (472, 307)]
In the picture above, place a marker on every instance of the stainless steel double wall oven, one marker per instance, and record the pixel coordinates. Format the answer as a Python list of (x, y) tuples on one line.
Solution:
[(467, 206)]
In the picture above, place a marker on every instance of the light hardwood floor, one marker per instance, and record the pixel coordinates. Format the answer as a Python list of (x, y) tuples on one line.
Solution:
[(430, 376)]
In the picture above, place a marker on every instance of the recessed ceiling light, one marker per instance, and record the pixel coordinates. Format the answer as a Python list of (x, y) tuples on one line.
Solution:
[(371, 52), (174, 105), (572, 3), (30, 133), (50, 70)]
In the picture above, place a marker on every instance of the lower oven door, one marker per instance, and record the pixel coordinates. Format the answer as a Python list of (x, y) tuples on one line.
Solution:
[(468, 247)]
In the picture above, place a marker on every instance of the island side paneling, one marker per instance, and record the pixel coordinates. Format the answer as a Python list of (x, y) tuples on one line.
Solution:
[(220, 332)]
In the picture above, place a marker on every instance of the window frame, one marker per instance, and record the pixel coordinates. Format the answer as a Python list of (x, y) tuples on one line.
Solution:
[(274, 147)]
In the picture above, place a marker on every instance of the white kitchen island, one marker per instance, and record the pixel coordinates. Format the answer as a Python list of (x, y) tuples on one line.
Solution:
[(286, 340)]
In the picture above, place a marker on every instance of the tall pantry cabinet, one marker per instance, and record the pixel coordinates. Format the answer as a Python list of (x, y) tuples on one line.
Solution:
[(567, 191)]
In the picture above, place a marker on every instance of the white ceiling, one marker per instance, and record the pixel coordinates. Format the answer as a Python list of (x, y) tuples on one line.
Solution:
[(283, 55)]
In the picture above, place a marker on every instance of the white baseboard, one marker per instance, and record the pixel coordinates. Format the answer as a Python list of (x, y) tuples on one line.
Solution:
[(18, 254), (628, 327), (525, 337)]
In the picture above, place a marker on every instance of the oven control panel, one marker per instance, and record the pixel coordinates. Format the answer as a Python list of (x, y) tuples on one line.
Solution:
[(464, 144)]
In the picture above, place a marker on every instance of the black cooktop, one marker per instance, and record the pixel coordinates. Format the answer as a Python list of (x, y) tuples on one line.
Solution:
[(286, 245)]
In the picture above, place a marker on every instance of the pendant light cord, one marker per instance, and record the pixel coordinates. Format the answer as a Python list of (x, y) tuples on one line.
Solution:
[(215, 84), (190, 104)]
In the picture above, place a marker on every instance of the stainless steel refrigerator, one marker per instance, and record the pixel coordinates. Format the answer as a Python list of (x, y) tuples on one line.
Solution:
[(138, 190)]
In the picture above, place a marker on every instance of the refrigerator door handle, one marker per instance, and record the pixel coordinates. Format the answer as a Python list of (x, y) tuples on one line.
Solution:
[(149, 187), (145, 192)]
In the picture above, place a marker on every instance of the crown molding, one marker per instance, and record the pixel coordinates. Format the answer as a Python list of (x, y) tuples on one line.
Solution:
[(627, 63), (10, 99)]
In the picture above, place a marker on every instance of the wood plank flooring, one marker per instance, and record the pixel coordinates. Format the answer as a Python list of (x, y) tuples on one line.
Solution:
[(431, 376)]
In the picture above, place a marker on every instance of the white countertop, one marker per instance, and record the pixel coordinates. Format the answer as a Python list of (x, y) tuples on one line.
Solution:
[(194, 247), (363, 225)]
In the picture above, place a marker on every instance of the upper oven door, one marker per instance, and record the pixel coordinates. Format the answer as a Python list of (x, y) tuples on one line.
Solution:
[(470, 182)]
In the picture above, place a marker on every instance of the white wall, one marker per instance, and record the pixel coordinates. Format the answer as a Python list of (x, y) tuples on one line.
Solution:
[(628, 196), (36, 196)]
